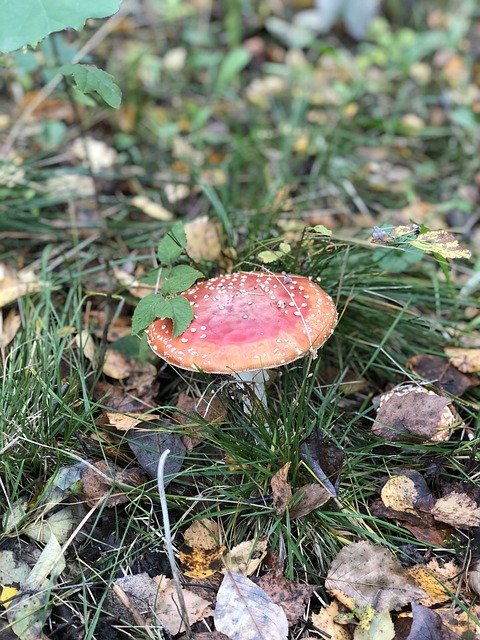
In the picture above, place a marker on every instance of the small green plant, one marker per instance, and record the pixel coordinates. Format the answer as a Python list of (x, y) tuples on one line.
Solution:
[(171, 281)]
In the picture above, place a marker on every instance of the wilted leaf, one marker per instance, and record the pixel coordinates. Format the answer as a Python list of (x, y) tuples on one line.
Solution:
[(439, 583), (381, 628), (291, 596), (245, 612), (148, 447), (365, 574), (14, 285), (307, 498), (325, 622), (151, 208), (246, 557), (440, 372), (281, 490), (466, 360), (458, 510), (411, 412), (442, 243)]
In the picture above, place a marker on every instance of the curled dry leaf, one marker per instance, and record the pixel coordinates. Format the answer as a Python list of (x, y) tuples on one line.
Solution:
[(245, 612), (125, 421), (325, 621), (246, 557), (99, 478), (466, 360), (439, 583), (439, 371), (308, 498), (16, 284), (364, 574), (9, 328), (410, 412), (458, 510), (281, 490)]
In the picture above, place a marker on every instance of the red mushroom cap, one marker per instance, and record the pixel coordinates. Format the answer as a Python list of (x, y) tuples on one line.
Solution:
[(247, 321)]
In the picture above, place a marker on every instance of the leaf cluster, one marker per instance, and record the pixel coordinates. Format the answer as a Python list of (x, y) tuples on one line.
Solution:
[(171, 281)]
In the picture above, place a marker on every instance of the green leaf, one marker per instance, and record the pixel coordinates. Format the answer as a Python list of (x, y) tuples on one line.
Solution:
[(25, 22), (182, 314), (231, 66), (322, 230), (91, 79), (146, 311), (180, 278), (171, 247), (267, 257)]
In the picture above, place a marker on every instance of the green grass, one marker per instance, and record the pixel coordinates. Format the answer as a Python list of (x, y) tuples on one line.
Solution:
[(391, 307)]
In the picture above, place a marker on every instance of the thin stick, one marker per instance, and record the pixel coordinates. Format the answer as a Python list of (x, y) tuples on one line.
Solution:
[(168, 540)]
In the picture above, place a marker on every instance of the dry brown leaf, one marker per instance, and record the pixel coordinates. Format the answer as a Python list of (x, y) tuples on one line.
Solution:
[(245, 612), (422, 525), (324, 621), (125, 421), (9, 328), (309, 497), (210, 409), (466, 360), (168, 610), (202, 534), (439, 583), (16, 284), (473, 577), (151, 208), (365, 574), (126, 400), (460, 622), (204, 239), (119, 327), (99, 478), (116, 365), (281, 490), (291, 596), (410, 412), (246, 557), (439, 371), (457, 509)]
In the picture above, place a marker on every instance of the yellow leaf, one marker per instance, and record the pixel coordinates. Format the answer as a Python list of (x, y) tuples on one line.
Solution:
[(466, 360), (6, 596), (14, 285), (441, 242)]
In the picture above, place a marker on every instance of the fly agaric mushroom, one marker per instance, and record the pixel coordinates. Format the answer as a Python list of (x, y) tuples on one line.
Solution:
[(244, 323)]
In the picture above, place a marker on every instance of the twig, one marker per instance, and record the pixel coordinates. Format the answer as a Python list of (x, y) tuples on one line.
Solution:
[(168, 540)]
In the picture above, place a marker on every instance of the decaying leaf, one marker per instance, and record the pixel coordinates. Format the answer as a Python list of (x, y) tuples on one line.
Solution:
[(246, 557), (473, 576), (281, 490), (380, 628), (466, 360), (210, 409), (407, 491), (411, 412), (457, 509), (126, 421), (99, 478), (426, 624), (202, 534), (308, 498), (8, 329), (94, 153), (439, 371), (422, 525), (148, 447), (325, 622), (464, 623), (133, 284), (291, 596), (59, 524), (168, 610), (366, 574), (16, 284), (439, 583), (442, 243), (124, 399), (151, 208), (201, 557), (245, 612)]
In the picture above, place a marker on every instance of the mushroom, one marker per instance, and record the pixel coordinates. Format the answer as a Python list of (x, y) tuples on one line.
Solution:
[(247, 322)]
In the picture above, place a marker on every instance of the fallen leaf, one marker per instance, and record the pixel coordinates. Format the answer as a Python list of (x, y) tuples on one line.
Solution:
[(93, 153), (16, 284), (422, 525), (463, 623), (380, 628), (126, 421), (98, 479), (60, 524), (245, 612), (7, 594), (291, 596), (439, 583), (168, 610), (457, 509), (202, 534), (246, 557), (440, 372), (325, 622), (151, 208), (70, 186), (118, 366), (473, 577), (442, 243), (308, 498), (281, 490), (204, 239), (200, 563), (9, 328), (124, 400), (365, 574), (466, 360), (412, 412), (132, 283), (147, 448), (425, 625), (407, 492)]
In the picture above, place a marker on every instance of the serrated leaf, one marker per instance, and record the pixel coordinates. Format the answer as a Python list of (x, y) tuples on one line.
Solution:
[(284, 247), (180, 278), (25, 22), (269, 256), (91, 79), (322, 230), (182, 314), (146, 312), (171, 247), (441, 242)]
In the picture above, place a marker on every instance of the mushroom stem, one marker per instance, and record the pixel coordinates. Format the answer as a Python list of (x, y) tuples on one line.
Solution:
[(256, 381)]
